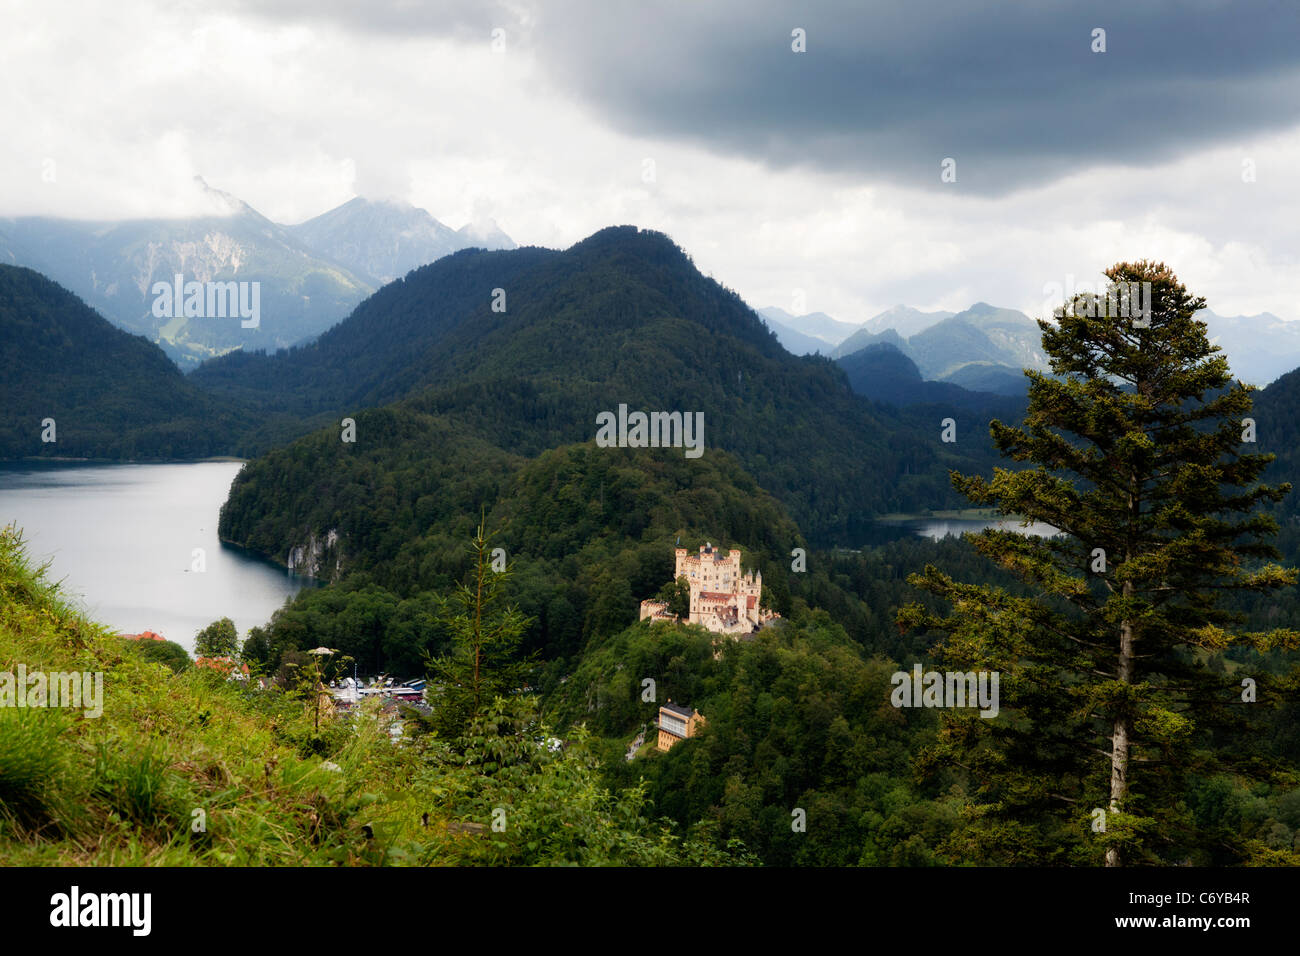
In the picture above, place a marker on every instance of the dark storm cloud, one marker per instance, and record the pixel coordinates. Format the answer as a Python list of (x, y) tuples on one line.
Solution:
[(886, 91)]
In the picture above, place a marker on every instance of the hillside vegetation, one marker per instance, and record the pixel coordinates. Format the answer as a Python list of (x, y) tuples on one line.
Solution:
[(111, 394), (192, 769)]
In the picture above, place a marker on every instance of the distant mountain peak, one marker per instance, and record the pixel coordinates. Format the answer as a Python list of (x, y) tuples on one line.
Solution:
[(485, 232), (1260, 348), (384, 208), (903, 319), (218, 202), (386, 238), (809, 332)]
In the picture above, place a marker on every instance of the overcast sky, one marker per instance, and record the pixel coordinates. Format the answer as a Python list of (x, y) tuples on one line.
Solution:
[(778, 171)]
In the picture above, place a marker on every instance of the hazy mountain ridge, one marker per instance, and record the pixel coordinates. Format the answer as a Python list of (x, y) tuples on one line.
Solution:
[(792, 340), (816, 325), (1260, 348), (310, 276), (883, 373), (114, 265), (383, 240), (981, 334), (905, 320)]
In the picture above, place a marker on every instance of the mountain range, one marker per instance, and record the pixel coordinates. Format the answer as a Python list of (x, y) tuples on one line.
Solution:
[(982, 347), (805, 334), (385, 239), (310, 276), (985, 347), (620, 318)]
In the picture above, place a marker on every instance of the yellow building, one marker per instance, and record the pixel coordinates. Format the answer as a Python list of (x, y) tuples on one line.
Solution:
[(677, 723)]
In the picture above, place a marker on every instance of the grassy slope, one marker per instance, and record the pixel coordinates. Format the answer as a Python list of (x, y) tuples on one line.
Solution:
[(121, 789)]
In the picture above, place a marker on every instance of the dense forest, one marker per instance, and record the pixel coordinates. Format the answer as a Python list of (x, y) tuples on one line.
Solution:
[(591, 532)]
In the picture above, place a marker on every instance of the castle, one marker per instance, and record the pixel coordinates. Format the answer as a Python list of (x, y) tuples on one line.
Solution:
[(722, 599)]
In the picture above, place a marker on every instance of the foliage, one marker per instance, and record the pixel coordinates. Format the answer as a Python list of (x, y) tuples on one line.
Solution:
[(162, 652), (796, 720), (111, 394), (676, 595), (482, 663), (542, 803), (218, 639), (192, 769), (1107, 697)]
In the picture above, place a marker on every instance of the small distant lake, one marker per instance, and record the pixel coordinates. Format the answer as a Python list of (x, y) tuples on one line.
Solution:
[(937, 528), (122, 539)]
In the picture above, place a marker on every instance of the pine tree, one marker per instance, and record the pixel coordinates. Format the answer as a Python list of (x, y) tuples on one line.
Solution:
[(485, 633), (1108, 705)]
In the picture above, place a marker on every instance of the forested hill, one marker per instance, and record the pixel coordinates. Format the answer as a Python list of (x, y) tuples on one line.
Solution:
[(1277, 432), (623, 317), (555, 314), (591, 530), (111, 394), (882, 373), (385, 349)]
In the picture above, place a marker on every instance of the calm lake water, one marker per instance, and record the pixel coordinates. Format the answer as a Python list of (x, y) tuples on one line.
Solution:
[(122, 537), (936, 528)]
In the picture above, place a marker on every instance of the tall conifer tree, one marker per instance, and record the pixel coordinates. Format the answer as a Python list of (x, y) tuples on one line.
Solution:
[(1134, 447), (486, 631)]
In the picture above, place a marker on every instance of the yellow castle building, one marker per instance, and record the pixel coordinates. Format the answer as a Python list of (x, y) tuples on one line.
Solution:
[(722, 598)]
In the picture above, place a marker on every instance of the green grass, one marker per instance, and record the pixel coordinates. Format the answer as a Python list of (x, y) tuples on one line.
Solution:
[(190, 769), (181, 769)]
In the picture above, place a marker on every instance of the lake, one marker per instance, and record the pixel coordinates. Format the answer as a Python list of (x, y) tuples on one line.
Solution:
[(937, 528), (122, 540)]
